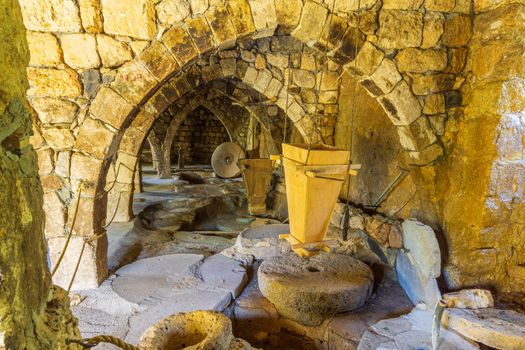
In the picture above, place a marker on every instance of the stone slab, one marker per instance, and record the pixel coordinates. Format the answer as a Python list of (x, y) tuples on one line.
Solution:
[(224, 273), (263, 241)]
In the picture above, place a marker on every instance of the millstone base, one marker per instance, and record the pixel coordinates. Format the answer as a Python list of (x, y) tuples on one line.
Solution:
[(309, 290)]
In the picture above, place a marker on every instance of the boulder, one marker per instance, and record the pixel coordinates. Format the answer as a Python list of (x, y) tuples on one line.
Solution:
[(308, 290), (421, 242), (469, 299)]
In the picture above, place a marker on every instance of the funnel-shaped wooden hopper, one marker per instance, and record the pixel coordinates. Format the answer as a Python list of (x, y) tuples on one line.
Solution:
[(313, 183), (257, 174)]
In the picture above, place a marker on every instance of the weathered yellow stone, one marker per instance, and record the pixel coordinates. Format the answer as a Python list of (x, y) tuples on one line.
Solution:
[(133, 82), (434, 104), (241, 16), (181, 45), (54, 111), (47, 82), (401, 105), (110, 107), (91, 15), (51, 15), (222, 27), (198, 6), (383, 80), (131, 18), (399, 29), (288, 12), (416, 136), (264, 17), (137, 46), (402, 4), (172, 11), (158, 60), (44, 49), (94, 130), (457, 31), (311, 24), (367, 60), (440, 5), (348, 6), (433, 29), (428, 84), (80, 51), (112, 52), (420, 61), (201, 33), (45, 161), (58, 138)]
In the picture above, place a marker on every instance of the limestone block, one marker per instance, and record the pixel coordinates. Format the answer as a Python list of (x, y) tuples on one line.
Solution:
[(311, 24), (56, 218), (223, 273), (303, 78), (383, 80), (263, 80), (334, 31), (51, 15), (54, 111), (440, 5), (241, 16), (222, 27), (417, 136), (201, 33), (80, 51), (229, 66), (138, 46), (110, 107), (130, 18), (433, 29), (419, 61), (328, 81), (273, 88), (250, 76), (401, 105), (457, 59), (457, 31), (58, 138), (437, 123), (434, 104), (199, 6), (288, 12), (47, 82), (328, 97), (91, 15), (44, 49), (158, 60), (349, 6), (172, 11), (487, 5), (112, 52), (469, 299), (45, 161), (429, 84), (133, 82), (62, 164), (180, 44), (420, 240), (427, 155), (367, 60), (402, 4), (278, 60), (93, 129), (500, 329), (264, 17), (399, 29), (307, 290), (420, 287)]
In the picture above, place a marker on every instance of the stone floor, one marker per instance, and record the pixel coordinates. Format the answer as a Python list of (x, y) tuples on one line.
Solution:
[(180, 254)]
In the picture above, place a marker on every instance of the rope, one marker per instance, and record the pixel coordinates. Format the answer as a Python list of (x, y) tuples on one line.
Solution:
[(351, 145), (70, 232), (94, 341)]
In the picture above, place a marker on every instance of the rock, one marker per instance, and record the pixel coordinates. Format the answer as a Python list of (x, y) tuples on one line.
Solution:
[(48, 82), (348, 6), (54, 111), (420, 61), (303, 78), (172, 11), (434, 104), (402, 4), (420, 240), (311, 24), (58, 138), (420, 287), (429, 84), (433, 29), (383, 80), (401, 106), (288, 12), (135, 19), (457, 31), (264, 17), (198, 6), (80, 51), (90, 15), (119, 107), (367, 60), (469, 299), (260, 62), (399, 29), (308, 290), (112, 52), (263, 241), (51, 15), (440, 5), (44, 49), (500, 329), (224, 273)]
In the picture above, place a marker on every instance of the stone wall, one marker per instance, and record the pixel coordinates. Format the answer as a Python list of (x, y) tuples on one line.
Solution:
[(198, 136), (32, 316)]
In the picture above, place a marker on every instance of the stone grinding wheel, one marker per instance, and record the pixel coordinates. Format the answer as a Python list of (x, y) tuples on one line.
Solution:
[(224, 160)]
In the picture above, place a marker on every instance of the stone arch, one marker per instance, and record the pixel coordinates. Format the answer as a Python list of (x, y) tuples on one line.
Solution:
[(393, 77)]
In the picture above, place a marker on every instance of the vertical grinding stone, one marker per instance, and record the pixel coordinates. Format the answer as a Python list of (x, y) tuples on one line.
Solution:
[(308, 290)]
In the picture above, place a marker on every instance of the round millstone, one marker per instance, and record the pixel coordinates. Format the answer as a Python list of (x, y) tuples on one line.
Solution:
[(263, 242), (309, 290)]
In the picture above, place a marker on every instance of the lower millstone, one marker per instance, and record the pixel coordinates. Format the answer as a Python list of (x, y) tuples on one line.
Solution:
[(309, 290)]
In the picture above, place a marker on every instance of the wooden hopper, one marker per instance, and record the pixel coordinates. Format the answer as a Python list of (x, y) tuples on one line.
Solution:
[(313, 184), (257, 174)]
